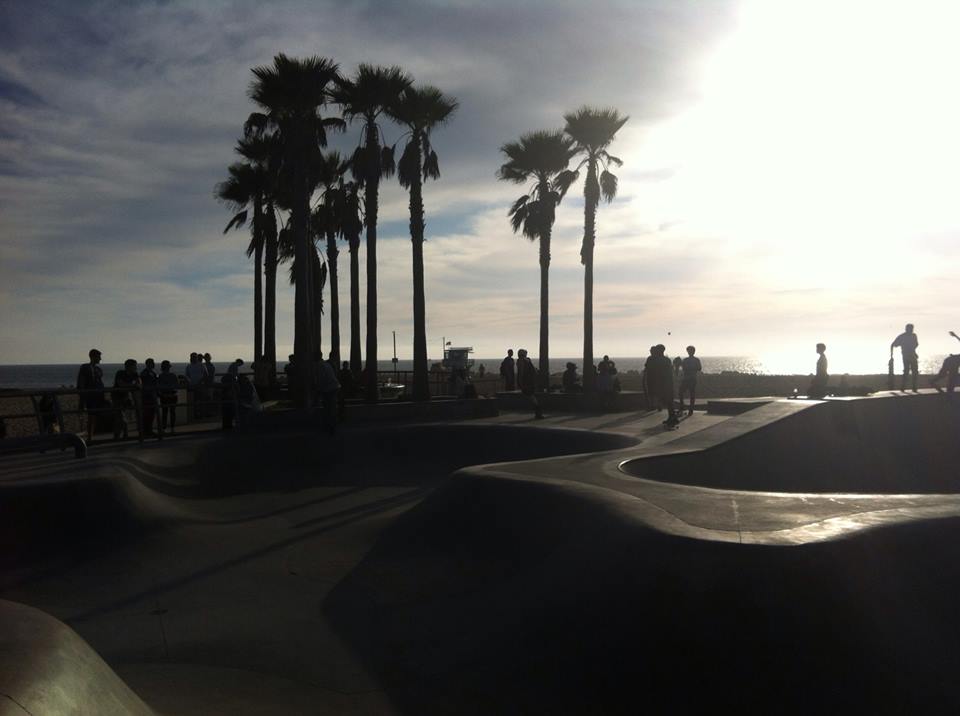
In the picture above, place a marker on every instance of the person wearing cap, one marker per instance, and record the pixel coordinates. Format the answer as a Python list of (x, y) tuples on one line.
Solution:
[(90, 385)]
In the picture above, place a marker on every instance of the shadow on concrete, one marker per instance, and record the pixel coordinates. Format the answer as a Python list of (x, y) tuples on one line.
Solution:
[(507, 596)]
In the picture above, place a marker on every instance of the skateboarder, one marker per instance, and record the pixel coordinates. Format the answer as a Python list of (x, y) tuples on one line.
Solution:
[(907, 341), (818, 386)]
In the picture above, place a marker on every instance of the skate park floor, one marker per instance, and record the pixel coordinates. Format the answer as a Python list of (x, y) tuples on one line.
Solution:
[(795, 556)]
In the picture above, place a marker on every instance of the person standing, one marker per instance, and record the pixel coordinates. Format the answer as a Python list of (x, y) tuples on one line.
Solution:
[(527, 378), (149, 382), (168, 388), (124, 382), (691, 369), (508, 372), (229, 397), (195, 375), (328, 386), (659, 372), (907, 342), (818, 387), (90, 388), (209, 369)]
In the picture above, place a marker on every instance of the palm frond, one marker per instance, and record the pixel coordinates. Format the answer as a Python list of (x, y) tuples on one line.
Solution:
[(613, 160), (519, 204), (387, 164), (563, 181), (593, 129), (608, 185), (431, 166), (237, 221), (408, 168), (541, 153)]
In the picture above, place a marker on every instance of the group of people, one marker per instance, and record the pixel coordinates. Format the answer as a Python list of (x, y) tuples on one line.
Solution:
[(658, 376), (159, 393), (521, 374)]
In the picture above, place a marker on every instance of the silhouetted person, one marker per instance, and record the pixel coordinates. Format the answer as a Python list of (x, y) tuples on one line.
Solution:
[(527, 378), (48, 414), (677, 365), (247, 399), (290, 371), (571, 381), (482, 370), (949, 370), (907, 341), (691, 368), (328, 386), (209, 369), (90, 378), (195, 378), (508, 372), (818, 386), (228, 395), (168, 389), (149, 382), (123, 399), (659, 372), (458, 383)]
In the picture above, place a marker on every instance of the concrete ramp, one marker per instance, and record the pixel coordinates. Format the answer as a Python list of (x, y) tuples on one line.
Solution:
[(45, 668), (882, 445)]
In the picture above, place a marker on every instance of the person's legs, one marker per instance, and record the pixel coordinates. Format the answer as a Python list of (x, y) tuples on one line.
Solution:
[(693, 396), (915, 368)]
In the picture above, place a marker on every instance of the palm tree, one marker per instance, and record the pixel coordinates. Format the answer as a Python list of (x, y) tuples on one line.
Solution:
[(420, 110), (364, 98), (262, 150), (326, 219), (243, 188), (351, 226), (542, 157), (593, 130), (291, 93)]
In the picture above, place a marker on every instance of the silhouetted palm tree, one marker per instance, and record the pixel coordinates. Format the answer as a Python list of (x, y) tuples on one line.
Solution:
[(365, 97), (243, 188), (593, 130), (318, 280), (351, 226), (326, 218), (420, 110), (292, 91), (263, 151), (542, 157)]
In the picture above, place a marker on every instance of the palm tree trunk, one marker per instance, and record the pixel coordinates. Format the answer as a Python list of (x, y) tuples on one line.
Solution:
[(421, 384), (591, 196), (356, 362), (257, 280), (332, 254), (370, 205), (303, 300), (316, 290), (544, 376), (270, 319)]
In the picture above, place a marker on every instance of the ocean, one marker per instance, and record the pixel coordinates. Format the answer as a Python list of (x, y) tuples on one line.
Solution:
[(33, 377)]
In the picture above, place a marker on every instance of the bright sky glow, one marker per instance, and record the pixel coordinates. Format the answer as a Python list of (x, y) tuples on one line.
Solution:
[(789, 174)]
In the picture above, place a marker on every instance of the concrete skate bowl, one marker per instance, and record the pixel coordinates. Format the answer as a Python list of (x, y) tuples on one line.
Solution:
[(499, 594), (123, 494), (888, 445)]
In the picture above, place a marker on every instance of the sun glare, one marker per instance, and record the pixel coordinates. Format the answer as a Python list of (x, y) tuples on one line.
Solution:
[(826, 127)]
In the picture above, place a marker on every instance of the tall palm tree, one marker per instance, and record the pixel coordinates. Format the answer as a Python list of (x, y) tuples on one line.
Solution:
[(242, 188), (291, 92), (262, 150), (330, 169), (351, 226), (364, 98), (593, 130), (318, 278), (420, 110), (542, 157)]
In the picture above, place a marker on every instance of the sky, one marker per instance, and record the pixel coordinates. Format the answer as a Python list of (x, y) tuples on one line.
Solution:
[(789, 176)]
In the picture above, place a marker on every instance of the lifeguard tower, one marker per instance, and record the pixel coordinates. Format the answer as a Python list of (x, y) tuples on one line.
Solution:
[(457, 358)]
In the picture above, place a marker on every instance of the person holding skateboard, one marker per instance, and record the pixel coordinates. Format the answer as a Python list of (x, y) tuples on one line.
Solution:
[(659, 372), (908, 342)]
